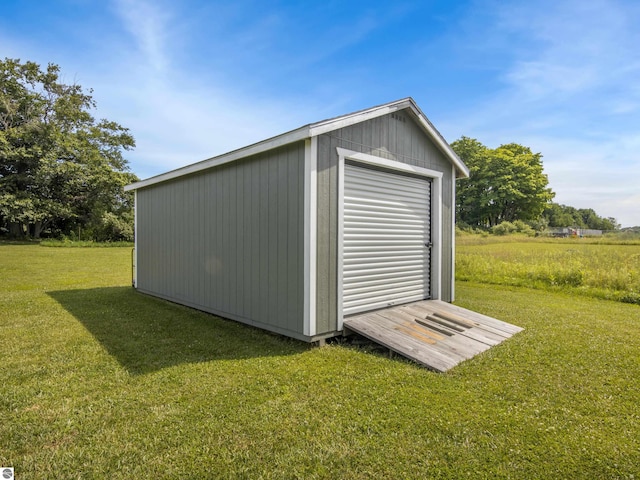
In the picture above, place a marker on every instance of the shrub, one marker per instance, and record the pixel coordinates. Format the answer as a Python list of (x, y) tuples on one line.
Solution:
[(524, 228), (504, 228), (113, 228)]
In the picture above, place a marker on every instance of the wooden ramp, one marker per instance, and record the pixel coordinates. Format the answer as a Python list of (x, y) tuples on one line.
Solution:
[(432, 333)]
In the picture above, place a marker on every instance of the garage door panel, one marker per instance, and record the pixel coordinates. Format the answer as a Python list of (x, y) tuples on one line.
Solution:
[(366, 180), (364, 256), (392, 295), (386, 228), (365, 213), (383, 301), (381, 269), (369, 194), (376, 231), (383, 223), (366, 242), (378, 255), (386, 209), (384, 201), (406, 237), (376, 292), (381, 279)]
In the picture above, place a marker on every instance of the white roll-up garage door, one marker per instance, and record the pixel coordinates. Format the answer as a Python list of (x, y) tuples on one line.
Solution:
[(386, 239)]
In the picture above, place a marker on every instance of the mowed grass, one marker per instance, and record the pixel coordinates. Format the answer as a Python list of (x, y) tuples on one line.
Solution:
[(99, 381), (580, 266)]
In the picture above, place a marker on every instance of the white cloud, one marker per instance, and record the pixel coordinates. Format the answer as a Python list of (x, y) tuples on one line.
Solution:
[(178, 120), (196, 80), (571, 92), (537, 79), (598, 175), (148, 23), (182, 110), (176, 116), (576, 47)]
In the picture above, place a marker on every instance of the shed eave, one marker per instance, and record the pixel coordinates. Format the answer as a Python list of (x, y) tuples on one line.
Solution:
[(461, 169), (332, 124), (293, 136)]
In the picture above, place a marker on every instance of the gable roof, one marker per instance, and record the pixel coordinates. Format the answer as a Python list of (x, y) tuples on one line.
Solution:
[(312, 130)]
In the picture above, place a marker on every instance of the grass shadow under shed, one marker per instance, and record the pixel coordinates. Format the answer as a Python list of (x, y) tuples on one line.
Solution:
[(146, 334)]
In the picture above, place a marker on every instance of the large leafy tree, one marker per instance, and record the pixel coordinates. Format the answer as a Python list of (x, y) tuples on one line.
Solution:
[(59, 167), (505, 184)]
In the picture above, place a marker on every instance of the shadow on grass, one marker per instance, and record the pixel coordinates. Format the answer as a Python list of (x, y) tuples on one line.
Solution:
[(146, 334), (7, 241)]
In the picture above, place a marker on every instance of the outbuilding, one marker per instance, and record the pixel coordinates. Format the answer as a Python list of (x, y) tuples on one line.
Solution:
[(299, 232)]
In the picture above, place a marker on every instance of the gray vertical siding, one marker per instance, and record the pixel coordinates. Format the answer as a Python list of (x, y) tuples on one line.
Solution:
[(229, 240), (395, 137)]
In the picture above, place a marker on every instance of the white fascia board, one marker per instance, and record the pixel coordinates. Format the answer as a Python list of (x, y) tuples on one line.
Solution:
[(347, 120), (269, 144), (441, 143), (310, 235)]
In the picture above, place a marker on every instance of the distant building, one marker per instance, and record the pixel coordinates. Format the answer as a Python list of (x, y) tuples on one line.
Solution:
[(564, 232)]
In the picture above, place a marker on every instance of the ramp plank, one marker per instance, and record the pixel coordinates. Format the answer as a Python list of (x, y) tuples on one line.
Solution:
[(480, 318), (432, 333)]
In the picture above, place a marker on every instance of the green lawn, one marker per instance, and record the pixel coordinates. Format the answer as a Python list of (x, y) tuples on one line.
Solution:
[(101, 382)]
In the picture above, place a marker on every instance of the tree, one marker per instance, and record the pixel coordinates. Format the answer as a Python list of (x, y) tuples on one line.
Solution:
[(505, 184), (567, 216), (59, 167)]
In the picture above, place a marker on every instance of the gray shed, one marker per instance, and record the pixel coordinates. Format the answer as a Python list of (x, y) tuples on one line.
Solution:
[(298, 232)]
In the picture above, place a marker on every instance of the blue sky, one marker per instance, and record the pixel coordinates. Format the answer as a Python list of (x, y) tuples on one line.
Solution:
[(193, 79)]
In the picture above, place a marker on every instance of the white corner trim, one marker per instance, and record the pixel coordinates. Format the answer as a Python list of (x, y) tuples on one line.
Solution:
[(453, 233), (342, 154), (135, 239), (436, 217), (310, 234)]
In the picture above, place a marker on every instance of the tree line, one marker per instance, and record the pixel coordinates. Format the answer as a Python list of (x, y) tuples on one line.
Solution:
[(565, 216), (508, 184), (61, 170)]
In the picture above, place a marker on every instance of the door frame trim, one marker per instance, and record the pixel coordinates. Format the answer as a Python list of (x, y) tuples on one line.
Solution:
[(436, 217)]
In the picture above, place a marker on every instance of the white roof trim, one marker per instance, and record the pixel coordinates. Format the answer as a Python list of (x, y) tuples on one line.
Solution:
[(309, 131), (441, 142), (265, 145), (332, 124)]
